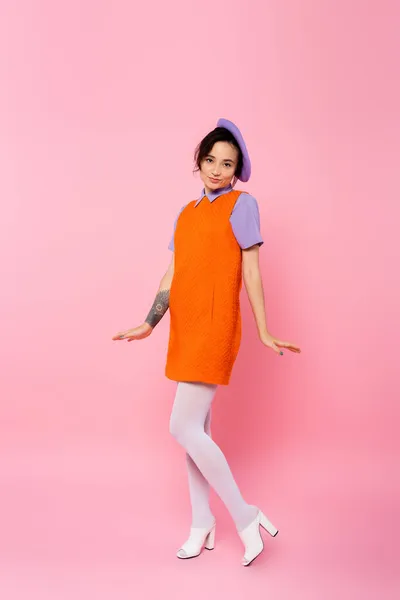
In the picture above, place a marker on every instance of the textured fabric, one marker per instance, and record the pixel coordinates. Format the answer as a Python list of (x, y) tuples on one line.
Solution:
[(207, 465), (205, 320), (245, 218)]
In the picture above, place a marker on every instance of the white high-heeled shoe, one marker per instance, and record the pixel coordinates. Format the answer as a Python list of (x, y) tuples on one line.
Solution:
[(251, 537), (199, 537)]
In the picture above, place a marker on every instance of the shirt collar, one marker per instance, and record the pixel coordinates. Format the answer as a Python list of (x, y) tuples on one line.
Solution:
[(213, 195)]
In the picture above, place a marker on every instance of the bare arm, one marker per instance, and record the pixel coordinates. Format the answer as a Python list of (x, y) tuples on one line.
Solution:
[(254, 287), (161, 301)]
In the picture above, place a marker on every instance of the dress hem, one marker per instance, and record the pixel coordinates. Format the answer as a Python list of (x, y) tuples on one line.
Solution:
[(199, 379)]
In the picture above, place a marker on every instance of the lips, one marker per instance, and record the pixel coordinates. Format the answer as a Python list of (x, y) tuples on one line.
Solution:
[(214, 180)]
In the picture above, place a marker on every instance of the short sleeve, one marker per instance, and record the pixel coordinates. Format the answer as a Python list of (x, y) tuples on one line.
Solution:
[(171, 243), (245, 221)]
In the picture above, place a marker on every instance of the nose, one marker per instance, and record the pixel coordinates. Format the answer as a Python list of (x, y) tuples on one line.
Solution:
[(216, 171)]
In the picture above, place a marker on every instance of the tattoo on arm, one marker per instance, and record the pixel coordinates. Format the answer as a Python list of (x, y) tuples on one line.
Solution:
[(159, 308)]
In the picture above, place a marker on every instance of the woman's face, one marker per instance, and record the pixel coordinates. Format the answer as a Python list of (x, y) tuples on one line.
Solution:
[(218, 168)]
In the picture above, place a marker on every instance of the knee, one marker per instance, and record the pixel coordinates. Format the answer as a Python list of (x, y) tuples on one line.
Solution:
[(173, 427), (177, 431)]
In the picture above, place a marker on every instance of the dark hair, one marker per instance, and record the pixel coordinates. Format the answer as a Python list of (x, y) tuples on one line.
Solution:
[(219, 134)]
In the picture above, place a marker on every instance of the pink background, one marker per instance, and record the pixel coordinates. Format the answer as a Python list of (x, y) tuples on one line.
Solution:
[(101, 106)]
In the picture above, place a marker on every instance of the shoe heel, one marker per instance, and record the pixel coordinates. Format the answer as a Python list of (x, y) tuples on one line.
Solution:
[(210, 540), (268, 525)]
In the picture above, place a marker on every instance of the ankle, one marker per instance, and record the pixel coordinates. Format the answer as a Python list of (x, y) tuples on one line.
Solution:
[(204, 522), (247, 518)]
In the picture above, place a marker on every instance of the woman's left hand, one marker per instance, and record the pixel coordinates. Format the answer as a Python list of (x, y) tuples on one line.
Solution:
[(274, 343)]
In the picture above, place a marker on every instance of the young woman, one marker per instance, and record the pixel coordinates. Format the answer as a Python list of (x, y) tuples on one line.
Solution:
[(215, 244)]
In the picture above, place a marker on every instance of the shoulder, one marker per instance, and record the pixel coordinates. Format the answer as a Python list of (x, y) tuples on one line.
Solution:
[(192, 203), (245, 221), (181, 209), (187, 205), (246, 203)]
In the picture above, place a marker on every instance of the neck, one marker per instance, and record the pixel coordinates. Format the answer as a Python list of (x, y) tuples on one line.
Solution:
[(211, 190)]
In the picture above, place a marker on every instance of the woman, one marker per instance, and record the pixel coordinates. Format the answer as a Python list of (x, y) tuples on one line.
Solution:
[(215, 243)]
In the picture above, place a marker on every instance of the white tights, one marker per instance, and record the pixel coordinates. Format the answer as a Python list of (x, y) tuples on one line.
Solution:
[(190, 424)]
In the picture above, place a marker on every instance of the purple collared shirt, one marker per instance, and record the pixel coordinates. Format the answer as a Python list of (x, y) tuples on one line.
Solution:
[(245, 218)]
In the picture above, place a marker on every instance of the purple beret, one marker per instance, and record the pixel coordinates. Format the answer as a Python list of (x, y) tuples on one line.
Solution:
[(246, 170)]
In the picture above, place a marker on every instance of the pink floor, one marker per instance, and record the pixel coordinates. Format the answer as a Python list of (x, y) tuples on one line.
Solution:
[(81, 522)]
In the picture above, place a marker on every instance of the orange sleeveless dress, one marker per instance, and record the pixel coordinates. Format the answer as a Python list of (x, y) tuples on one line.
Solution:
[(205, 319)]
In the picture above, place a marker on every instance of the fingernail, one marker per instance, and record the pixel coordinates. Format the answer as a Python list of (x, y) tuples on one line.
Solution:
[(281, 353)]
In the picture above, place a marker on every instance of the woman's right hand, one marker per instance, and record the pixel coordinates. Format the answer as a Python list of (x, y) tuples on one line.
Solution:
[(138, 333)]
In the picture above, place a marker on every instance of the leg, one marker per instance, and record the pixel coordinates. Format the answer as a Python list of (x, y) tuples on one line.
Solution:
[(189, 412), (199, 488)]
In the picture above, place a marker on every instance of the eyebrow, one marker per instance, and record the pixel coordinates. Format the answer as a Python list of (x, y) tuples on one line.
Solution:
[(225, 160)]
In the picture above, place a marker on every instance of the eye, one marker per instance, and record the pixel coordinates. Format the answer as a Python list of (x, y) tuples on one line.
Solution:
[(228, 164), (207, 159)]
